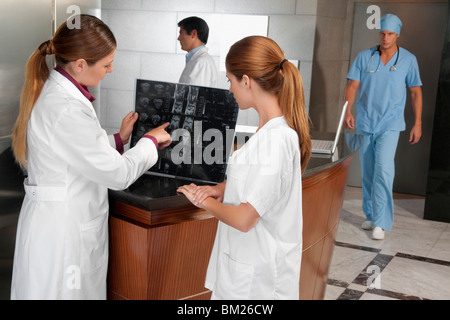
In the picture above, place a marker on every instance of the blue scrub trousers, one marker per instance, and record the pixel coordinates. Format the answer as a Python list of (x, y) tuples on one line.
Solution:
[(377, 171)]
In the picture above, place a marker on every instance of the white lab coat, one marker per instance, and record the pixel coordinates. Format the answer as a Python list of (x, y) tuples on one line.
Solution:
[(62, 236), (264, 263), (200, 70)]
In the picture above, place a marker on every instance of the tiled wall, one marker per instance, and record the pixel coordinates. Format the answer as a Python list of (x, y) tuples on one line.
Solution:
[(330, 62), (147, 31)]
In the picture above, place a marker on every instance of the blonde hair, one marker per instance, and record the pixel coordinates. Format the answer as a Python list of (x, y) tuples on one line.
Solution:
[(261, 59), (91, 42)]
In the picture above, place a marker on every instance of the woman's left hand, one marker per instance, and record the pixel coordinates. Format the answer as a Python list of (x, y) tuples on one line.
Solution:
[(127, 127), (192, 192)]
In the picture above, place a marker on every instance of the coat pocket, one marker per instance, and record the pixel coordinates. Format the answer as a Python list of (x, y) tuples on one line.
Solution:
[(234, 279), (94, 244)]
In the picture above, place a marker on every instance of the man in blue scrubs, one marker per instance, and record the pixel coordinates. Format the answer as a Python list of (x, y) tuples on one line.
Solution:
[(382, 74)]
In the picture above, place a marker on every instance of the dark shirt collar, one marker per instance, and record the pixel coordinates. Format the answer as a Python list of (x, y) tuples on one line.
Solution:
[(83, 89)]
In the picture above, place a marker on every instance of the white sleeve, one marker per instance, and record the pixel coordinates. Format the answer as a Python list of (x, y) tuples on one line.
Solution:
[(85, 146), (112, 141)]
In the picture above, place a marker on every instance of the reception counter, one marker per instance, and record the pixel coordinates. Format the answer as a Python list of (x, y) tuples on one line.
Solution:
[(160, 243)]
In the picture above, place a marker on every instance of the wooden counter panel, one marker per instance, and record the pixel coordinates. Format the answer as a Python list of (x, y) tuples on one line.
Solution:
[(167, 262), (310, 265), (179, 258), (339, 194), (317, 200), (324, 266), (128, 260), (323, 196)]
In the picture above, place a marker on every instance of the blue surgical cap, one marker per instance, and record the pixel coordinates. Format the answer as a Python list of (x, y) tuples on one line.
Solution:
[(390, 22)]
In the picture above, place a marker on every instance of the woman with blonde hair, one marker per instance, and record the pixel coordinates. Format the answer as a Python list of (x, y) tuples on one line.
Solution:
[(62, 237), (257, 251)]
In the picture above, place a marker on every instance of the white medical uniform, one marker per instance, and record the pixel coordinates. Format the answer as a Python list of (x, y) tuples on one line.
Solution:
[(200, 70), (62, 237), (263, 263)]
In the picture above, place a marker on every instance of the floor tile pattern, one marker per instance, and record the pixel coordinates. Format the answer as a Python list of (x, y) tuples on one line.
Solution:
[(411, 263)]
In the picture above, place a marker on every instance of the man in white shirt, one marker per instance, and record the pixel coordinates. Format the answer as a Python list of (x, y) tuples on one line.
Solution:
[(200, 66)]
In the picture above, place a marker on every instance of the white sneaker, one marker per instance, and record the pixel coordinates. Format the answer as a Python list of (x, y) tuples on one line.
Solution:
[(378, 233), (367, 225)]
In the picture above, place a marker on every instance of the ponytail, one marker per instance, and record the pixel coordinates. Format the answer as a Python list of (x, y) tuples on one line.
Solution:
[(292, 103), (36, 74)]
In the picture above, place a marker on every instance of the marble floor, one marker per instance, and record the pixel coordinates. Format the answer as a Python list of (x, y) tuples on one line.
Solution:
[(411, 263)]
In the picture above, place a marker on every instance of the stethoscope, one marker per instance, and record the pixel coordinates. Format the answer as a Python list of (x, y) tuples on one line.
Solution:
[(394, 66)]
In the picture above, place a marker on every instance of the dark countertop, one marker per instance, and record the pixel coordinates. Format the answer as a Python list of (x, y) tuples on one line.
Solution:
[(152, 193)]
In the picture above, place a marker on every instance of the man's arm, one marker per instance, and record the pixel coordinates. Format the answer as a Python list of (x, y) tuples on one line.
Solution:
[(416, 102), (350, 93)]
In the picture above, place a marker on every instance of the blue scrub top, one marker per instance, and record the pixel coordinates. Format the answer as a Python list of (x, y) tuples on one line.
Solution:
[(382, 94)]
